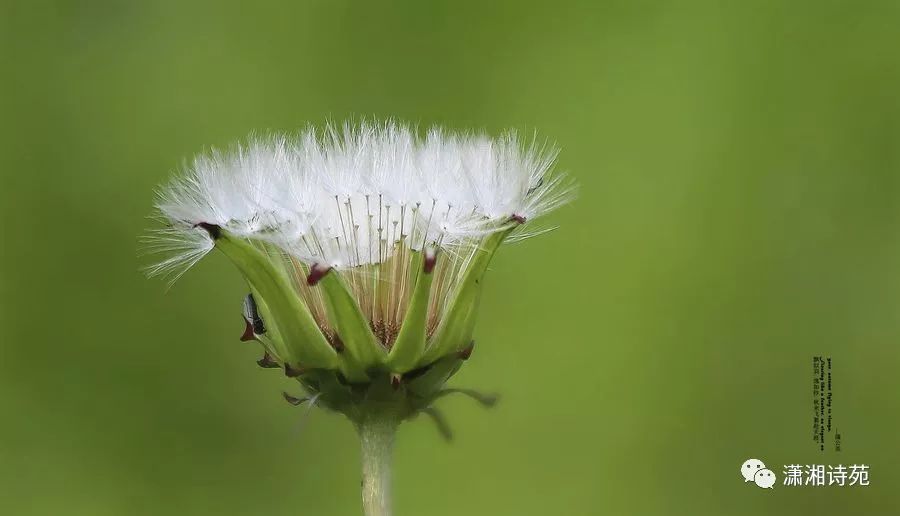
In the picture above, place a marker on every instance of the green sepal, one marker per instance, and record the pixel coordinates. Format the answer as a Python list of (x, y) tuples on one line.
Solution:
[(426, 385), (303, 342), (361, 350), (455, 329), (271, 340), (485, 400), (331, 392), (410, 342), (443, 426)]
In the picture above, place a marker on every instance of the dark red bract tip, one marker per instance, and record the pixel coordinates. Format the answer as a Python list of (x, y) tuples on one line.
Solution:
[(316, 273), (248, 332), (395, 381), (267, 362), (292, 372), (430, 260), (466, 352), (519, 218), (292, 399), (214, 231)]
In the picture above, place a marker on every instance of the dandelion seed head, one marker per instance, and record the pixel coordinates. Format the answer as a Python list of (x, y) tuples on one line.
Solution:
[(361, 198)]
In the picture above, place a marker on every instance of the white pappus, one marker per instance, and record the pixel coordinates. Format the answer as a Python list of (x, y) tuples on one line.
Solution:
[(361, 198)]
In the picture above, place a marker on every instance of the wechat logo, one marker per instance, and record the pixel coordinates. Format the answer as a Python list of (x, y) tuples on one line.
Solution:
[(753, 470)]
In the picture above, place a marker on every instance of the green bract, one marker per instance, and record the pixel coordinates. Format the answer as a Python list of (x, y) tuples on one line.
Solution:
[(348, 369)]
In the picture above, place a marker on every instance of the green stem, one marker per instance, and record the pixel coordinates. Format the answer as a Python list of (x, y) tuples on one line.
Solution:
[(376, 434)]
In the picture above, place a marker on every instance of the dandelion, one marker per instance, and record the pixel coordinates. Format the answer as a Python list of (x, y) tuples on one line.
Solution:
[(363, 248)]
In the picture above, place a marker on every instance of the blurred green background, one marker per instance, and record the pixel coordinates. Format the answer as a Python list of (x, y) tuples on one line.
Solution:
[(740, 172)]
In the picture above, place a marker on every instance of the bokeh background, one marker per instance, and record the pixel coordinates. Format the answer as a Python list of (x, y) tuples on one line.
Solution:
[(740, 175)]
